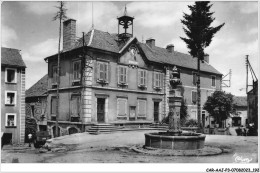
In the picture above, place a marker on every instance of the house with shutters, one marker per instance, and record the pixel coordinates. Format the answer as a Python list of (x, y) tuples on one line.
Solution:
[(114, 78), (13, 96)]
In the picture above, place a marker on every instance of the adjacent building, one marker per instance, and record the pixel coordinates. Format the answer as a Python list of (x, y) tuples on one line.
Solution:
[(13, 96), (239, 118), (252, 103), (36, 102), (115, 79)]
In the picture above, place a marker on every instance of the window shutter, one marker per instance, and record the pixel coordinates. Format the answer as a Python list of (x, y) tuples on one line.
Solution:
[(79, 70), (161, 80), (139, 77), (154, 79), (142, 107), (194, 96), (118, 74), (145, 77), (98, 71), (126, 75), (108, 72), (122, 107)]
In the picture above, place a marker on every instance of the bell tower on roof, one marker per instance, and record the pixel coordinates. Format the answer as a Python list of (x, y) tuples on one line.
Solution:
[(125, 22)]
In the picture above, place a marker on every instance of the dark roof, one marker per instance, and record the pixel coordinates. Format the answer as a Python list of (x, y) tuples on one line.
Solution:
[(109, 42), (11, 57), (161, 55), (240, 100), (39, 88)]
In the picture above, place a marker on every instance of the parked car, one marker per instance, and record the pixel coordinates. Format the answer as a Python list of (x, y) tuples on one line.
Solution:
[(41, 138)]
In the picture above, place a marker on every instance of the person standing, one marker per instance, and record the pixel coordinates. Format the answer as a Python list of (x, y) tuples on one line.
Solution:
[(30, 139)]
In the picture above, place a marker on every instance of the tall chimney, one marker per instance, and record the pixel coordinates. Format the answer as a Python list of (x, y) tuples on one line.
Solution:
[(150, 42), (69, 33), (170, 48), (206, 58)]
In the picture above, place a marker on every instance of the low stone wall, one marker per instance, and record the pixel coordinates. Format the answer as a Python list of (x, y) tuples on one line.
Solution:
[(67, 128)]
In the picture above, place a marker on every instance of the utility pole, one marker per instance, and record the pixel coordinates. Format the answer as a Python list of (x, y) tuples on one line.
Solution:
[(82, 76), (61, 15), (246, 74)]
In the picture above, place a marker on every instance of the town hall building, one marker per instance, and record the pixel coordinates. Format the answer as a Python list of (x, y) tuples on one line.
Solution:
[(115, 79)]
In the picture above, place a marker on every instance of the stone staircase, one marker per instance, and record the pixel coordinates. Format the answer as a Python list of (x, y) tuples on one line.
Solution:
[(102, 128)]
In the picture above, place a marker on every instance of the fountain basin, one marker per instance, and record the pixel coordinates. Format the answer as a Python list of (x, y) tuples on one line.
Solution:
[(165, 140)]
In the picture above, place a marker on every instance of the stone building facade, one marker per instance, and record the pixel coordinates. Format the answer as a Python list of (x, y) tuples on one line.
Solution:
[(13, 96), (114, 78)]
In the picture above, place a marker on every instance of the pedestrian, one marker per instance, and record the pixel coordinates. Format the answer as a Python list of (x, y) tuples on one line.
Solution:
[(228, 130), (30, 139)]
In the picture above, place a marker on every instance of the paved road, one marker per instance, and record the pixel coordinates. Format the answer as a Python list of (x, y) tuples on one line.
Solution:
[(109, 148)]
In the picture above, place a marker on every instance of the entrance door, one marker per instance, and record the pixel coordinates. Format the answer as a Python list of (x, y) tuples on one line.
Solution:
[(100, 110), (156, 112), (132, 113), (236, 121)]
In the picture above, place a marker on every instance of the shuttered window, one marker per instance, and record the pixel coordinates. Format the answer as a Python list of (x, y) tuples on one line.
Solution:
[(75, 105), (194, 96), (142, 77), (158, 79), (122, 75), (76, 70), (53, 105), (55, 74), (213, 81), (194, 80), (141, 107), (102, 71), (121, 107)]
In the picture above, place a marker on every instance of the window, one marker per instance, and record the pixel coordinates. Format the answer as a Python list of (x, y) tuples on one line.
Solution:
[(158, 80), (76, 71), (75, 105), (54, 74), (10, 120), (142, 77), (194, 78), (10, 75), (213, 81), (10, 97), (194, 96), (102, 71), (122, 75), (53, 105), (141, 107), (121, 107)]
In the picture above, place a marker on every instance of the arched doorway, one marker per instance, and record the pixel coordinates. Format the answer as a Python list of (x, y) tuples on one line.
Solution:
[(72, 130), (54, 131)]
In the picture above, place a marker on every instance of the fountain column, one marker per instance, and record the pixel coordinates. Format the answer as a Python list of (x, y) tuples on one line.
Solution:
[(174, 113)]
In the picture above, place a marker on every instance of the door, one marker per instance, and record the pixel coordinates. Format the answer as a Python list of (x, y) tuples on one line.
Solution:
[(156, 112), (132, 113), (100, 110)]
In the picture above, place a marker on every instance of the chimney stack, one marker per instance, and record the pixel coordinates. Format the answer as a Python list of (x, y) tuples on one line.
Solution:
[(206, 58), (150, 42), (69, 33), (170, 48)]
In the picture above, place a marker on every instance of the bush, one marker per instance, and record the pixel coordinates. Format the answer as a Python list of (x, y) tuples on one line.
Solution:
[(191, 123)]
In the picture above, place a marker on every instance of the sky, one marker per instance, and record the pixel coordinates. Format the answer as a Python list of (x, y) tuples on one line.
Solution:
[(28, 26)]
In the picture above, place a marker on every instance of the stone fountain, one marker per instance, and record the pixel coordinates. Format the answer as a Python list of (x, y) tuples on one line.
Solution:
[(175, 138)]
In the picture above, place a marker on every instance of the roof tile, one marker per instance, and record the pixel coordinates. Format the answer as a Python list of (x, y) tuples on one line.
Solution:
[(12, 57), (39, 88)]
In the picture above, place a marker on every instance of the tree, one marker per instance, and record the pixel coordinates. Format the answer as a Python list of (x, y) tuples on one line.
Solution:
[(183, 112), (219, 105), (60, 15), (200, 35)]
